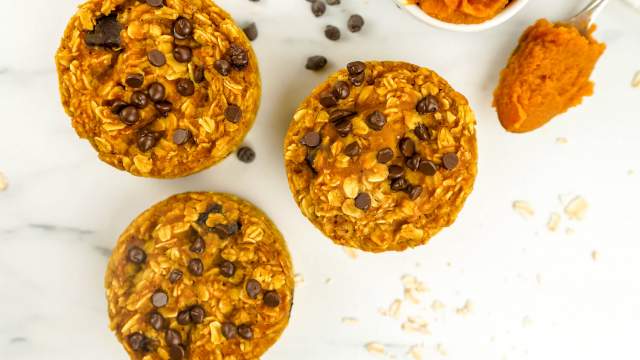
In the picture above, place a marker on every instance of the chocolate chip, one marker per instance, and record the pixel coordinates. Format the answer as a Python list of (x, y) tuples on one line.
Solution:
[(198, 245), (137, 342), (450, 161), (134, 80), (328, 100), (357, 80), (246, 154), (428, 104), (159, 298), (175, 275), (156, 92), (422, 132), (106, 32), (395, 171), (223, 67), (245, 332), (341, 90), (233, 228), (182, 54), (233, 113), (185, 87), (139, 99), (176, 352), (221, 230), (172, 337), (352, 150), (164, 107), (309, 160), (407, 147), (195, 266), (356, 67), (182, 28), (340, 114), (181, 136), (117, 106), (184, 317), (385, 155), (355, 23), (251, 31), (427, 167), (227, 268), (147, 140), (311, 139), (238, 56), (332, 33), (318, 8), (156, 58), (376, 120), (156, 320), (399, 184), (129, 115), (155, 3), (271, 299), (198, 74), (414, 162), (136, 255), (212, 209), (363, 201), (229, 330), (317, 62), (343, 127), (197, 314), (253, 288), (414, 191)]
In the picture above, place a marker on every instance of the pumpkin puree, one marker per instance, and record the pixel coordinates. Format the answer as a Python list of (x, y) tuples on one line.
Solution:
[(547, 74), (462, 11)]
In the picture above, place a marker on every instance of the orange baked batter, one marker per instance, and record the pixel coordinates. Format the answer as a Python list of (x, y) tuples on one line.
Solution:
[(462, 11), (547, 74)]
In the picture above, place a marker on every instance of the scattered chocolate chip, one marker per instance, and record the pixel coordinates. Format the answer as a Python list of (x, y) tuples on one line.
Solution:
[(427, 167), (253, 288), (164, 107), (156, 58), (385, 155), (129, 115), (311, 139), (197, 314), (246, 154), (139, 99), (198, 245), (184, 317), (156, 320), (414, 162), (399, 184), (245, 332), (355, 23), (341, 90), (414, 191), (136, 255), (332, 33), (182, 54), (221, 230), (233, 113), (181, 136), (422, 132), (356, 67), (376, 120), (106, 32), (318, 8), (137, 342), (238, 56), (227, 268), (155, 3), (175, 275), (395, 172), (251, 31), (223, 67), (343, 127), (198, 74), (333, 2), (353, 149), (159, 298), (176, 352), (117, 106), (195, 266), (428, 104), (450, 161), (339, 114), (185, 87), (156, 92), (229, 330), (328, 100), (134, 80), (182, 28), (357, 80), (363, 201), (317, 62), (147, 140), (271, 299), (407, 147), (172, 337)]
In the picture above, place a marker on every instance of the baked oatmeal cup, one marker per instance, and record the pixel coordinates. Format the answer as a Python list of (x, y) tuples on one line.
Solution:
[(160, 89), (199, 276), (382, 155)]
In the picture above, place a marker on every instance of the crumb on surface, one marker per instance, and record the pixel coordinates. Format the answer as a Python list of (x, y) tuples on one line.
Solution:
[(375, 348), (466, 309), (523, 208), (554, 222), (577, 208)]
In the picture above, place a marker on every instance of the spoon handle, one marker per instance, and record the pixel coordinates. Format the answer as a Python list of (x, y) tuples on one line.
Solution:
[(587, 16)]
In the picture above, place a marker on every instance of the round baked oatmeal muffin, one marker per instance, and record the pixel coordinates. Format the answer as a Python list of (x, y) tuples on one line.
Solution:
[(159, 88), (382, 155), (200, 276)]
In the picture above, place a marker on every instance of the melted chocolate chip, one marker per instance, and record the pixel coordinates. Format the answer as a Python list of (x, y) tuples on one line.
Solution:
[(316, 62), (175, 275), (184, 317), (198, 74), (413, 162), (399, 184), (355, 23), (137, 342), (245, 332), (352, 150), (164, 107), (172, 337), (156, 58), (117, 106), (176, 352), (185, 87), (147, 140), (427, 167), (139, 99), (156, 92), (182, 28), (253, 288), (182, 54), (181, 136), (414, 191), (341, 90), (159, 298), (106, 33), (363, 201), (129, 115), (428, 104), (198, 245), (227, 268), (246, 154), (134, 80), (195, 266), (327, 100), (155, 3), (356, 67), (376, 120), (311, 139), (407, 147), (422, 132), (197, 314), (450, 161), (223, 67), (271, 299), (156, 320), (385, 155), (238, 56), (229, 330), (395, 172), (136, 255), (233, 113)]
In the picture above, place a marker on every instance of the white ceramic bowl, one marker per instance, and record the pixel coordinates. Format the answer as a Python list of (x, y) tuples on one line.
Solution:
[(504, 15)]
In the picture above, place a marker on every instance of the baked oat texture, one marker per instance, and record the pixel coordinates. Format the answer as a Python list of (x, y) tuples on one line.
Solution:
[(395, 159), (194, 134), (199, 276)]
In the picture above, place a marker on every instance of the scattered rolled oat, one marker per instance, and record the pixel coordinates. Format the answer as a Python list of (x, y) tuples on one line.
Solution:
[(416, 325), (523, 208), (350, 320), (577, 208), (351, 252), (466, 309), (554, 222), (4, 183), (298, 279), (415, 352), (375, 348), (437, 305), (635, 82), (394, 309), (441, 350)]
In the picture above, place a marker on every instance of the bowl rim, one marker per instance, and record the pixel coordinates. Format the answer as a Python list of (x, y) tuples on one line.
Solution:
[(502, 17)]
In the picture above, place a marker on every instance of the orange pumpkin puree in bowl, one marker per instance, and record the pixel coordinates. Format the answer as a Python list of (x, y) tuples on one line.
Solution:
[(547, 74), (462, 11)]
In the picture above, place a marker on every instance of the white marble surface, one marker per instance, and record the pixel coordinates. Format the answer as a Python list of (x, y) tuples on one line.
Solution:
[(535, 294)]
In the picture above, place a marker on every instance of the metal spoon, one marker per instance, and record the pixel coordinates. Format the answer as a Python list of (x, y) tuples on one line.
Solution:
[(585, 18)]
